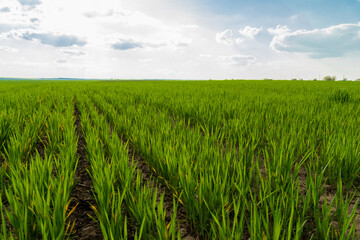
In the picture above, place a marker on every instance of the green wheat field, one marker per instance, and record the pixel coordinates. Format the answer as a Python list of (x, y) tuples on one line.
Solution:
[(179, 160)]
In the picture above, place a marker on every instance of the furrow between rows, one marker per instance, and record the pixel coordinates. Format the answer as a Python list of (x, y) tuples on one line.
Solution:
[(85, 227)]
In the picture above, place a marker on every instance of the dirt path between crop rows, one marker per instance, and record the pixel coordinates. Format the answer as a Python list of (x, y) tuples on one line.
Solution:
[(41, 145), (81, 196)]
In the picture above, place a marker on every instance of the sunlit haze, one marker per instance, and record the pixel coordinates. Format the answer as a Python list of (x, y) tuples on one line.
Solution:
[(168, 39)]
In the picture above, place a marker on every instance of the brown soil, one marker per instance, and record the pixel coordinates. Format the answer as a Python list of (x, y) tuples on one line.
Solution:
[(41, 145), (85, 227), (329, 194)]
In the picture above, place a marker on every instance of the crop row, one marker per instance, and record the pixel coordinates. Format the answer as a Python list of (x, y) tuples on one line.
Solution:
[(119, 190), (36, 189), (284, 139), (243, 160)]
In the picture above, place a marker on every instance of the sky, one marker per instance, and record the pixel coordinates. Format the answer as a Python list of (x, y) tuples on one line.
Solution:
[(173, 39)]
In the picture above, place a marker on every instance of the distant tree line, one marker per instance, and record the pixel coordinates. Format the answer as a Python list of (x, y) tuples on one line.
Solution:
[(326, 78)]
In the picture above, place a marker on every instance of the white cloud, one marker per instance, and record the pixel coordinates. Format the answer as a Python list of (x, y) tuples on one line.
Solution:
[(227, 37), (93, 14), (12, 17), (8, 49), (237, 60), (154, 39), (279, 30), (46, 38), (146, 60), (29, 4), (185, 42), (124, 44), (84, 31), (129, 43), (205, 55), (5, 9), (61, 61), (250, 32), (71, 52), (334, 41)]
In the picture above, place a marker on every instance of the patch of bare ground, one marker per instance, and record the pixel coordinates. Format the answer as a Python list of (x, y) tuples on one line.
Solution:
[(302, 179), (330, 193), (85, 228), (41, 145)]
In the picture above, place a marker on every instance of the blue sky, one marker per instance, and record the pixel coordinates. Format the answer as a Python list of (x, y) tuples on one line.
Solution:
[(315, 13), (188, 39)]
